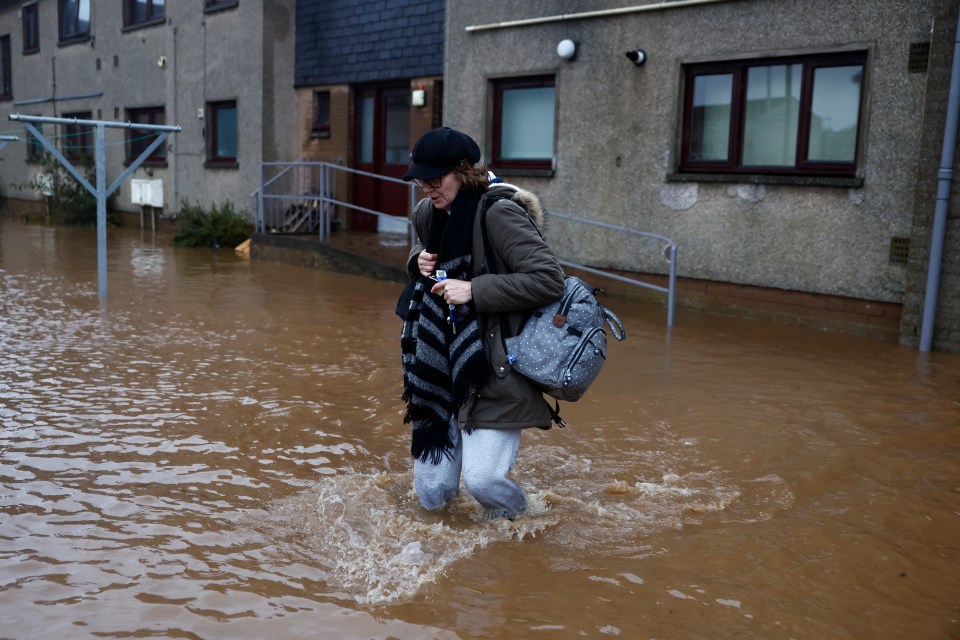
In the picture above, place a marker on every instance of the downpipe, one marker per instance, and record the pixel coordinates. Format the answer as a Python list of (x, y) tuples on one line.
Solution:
[(945, 181)]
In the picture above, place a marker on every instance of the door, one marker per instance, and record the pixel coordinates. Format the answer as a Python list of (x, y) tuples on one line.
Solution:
[(382, 147)]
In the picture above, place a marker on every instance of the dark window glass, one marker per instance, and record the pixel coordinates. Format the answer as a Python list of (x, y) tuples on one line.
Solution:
[(6, 79), (74, 19), (34, 146), (31, 28), (795, 116), (139, 139), (138, 12), (77, 140), (222, 132), (321, 114)]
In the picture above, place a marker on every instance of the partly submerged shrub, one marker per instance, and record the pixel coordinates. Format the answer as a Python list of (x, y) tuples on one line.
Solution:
[(68, 202), (221, 226)]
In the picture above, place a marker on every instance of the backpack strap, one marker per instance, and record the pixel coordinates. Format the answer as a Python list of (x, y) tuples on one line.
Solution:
[(505, 331)]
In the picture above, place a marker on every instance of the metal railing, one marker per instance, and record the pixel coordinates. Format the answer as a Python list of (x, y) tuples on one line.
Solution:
[(298, 196)]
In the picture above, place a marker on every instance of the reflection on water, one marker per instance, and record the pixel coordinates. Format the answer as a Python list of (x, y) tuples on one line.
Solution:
[(216, 451)]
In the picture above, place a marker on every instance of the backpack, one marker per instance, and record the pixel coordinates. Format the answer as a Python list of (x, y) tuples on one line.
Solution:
[(562, 345)]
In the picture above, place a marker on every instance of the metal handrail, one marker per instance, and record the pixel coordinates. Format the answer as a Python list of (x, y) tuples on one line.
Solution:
[(327, 196), (670, 253)]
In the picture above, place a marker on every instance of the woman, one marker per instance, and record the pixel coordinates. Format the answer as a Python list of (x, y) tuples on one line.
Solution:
[(466, 403)]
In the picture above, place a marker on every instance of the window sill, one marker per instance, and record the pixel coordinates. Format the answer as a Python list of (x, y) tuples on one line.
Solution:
[(319, 134), (531, 173), (28, 52), (149, 164), (74, 40), (219, 164), (152, 22), (220, 6), (800, 181)]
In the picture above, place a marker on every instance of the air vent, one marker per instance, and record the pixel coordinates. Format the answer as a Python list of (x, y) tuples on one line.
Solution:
[(919, 57), (899, 250)]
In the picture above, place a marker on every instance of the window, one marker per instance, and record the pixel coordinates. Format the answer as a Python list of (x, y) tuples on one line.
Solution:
[(74, 20), (35, 148), (794, 116), (523, 123), (77, 141), (214, 5), (321, 114), (222, 134), (142, 12), (139, 139), (31, 28), (6, 80)]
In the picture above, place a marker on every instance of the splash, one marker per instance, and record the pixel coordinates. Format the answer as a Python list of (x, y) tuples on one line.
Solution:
[(373, 540)]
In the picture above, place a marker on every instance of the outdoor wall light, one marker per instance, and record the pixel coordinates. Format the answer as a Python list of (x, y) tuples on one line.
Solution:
[(638, 56), (419, 97), (567, 49)]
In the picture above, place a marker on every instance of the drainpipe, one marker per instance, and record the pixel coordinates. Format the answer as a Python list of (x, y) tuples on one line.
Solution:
[(945, 180)]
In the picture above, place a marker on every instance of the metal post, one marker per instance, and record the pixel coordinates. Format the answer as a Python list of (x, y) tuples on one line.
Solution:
[(101, 167), (261, 218), (322, 226), (672, 288)]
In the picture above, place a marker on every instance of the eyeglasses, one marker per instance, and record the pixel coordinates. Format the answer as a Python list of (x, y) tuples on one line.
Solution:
[(433, 184)]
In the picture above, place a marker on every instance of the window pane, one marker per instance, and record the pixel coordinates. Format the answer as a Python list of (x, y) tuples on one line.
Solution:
[(527, 124), (835, 114), (710, 121), (772, 115), (397, 149), (6, 82), (139, 11), (68, 9), (226, 132), (365, 154), (31, 40), (83, 16), (34, 146), (321, 111)]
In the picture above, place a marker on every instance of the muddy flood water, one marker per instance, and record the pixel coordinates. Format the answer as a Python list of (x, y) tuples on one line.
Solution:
[(217, 451)]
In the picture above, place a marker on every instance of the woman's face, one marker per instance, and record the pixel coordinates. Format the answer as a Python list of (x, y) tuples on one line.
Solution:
[(443, 196)]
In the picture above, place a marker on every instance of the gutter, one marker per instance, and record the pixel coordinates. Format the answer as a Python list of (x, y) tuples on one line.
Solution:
[(602, 13), (20, 103), (945, 181)]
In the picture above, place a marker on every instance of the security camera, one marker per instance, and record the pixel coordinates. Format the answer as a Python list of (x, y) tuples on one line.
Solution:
[(638, 56)]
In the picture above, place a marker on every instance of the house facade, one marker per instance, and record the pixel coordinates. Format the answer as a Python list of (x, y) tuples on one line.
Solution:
[(219, 69), (369, 82), (788, 148)]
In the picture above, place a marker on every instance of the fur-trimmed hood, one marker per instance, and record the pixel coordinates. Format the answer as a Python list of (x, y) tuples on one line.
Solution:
[(526, 199)]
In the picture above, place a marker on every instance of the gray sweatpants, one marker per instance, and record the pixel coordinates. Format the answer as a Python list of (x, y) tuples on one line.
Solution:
[(484, 457)]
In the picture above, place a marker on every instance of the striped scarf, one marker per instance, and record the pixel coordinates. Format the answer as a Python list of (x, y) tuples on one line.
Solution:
[(441, 367)]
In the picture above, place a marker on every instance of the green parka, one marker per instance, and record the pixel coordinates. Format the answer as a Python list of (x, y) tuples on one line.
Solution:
[(527, 276)]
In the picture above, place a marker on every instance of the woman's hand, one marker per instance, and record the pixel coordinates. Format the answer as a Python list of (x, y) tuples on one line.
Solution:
[(427, 262), (454, 291)]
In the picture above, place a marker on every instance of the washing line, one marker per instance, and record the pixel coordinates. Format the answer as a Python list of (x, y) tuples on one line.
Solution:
[(101, 191)]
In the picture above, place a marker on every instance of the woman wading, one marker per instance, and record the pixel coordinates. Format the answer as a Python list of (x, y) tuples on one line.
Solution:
[(466, 404)]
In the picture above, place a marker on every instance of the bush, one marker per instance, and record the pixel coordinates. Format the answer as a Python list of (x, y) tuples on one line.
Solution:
[(68, 201), (221, 226)]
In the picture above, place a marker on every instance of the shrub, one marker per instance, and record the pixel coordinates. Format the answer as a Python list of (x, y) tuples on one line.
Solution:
[(68, 202), (221, 226)]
